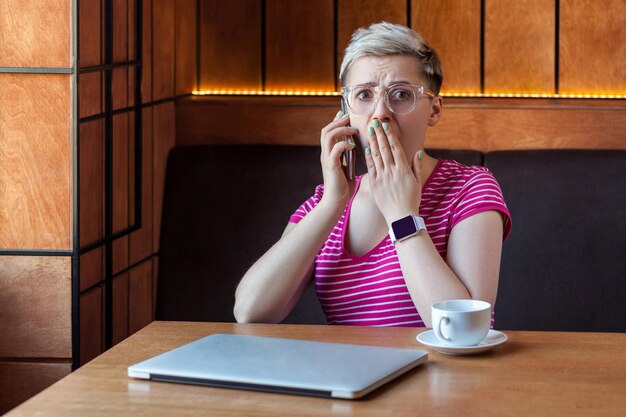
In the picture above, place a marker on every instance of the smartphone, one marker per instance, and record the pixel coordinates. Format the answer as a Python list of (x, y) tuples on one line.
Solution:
[(348, 157)]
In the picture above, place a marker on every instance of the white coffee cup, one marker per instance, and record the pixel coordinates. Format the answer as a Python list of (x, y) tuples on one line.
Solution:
[(461, 322)]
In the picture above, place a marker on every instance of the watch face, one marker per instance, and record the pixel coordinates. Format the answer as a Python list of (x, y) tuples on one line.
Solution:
[(404, 227)]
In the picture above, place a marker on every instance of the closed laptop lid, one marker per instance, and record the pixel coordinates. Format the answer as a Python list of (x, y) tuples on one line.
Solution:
[(280, 365)]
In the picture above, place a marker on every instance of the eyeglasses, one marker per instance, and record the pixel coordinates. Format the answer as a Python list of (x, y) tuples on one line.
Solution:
[(399, 98)]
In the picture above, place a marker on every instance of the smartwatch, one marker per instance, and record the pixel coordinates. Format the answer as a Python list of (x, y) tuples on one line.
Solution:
[(406, 227)]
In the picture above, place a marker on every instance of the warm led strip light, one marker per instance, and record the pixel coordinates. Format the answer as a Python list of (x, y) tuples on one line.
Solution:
[(450, 94), (536, 95), (264, 93)]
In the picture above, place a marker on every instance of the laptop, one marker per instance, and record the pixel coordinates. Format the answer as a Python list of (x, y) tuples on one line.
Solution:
[(280, 365)]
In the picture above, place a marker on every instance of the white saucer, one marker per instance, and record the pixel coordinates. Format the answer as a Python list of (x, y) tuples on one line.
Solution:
[(493, 339)]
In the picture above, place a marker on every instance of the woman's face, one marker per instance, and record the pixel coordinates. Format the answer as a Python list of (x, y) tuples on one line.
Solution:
[(384, 72)]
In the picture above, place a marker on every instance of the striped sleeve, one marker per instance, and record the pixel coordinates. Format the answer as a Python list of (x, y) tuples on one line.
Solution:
[(308, 205), (481, 192)]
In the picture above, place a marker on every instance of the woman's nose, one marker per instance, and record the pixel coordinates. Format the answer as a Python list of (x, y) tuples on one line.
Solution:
[(381, 111)]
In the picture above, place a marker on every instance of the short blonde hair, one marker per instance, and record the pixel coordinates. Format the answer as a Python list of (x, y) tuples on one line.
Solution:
[(385, 39)]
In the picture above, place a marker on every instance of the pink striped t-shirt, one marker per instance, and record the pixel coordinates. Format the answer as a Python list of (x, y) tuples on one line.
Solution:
[(370, 290)]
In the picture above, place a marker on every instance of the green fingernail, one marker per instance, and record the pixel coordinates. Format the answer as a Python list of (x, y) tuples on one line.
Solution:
[(375, 123), (353, 128), (370, 130), (419, 155), (367, 150), (345, 115), (385, 126)]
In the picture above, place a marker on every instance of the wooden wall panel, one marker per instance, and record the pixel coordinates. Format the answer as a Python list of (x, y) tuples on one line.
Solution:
[(35, 33), (452, 27), (155, 284), (22, 380), (300, 45), (519, 54), (140, 292), (90, 97), (131, 171), (131, 86), (481, 124), (91, 188), (35, 307), (141, 240), (91, 324), (120, 308), (230, 54), (146, 64), (121, 174), (552, 126), (91, 268), (163, 24), (353, 14), (592, 47), (278, 121), (120, 254), (120, 189), (120, 30), (90, 16), (186, 41), (130, 18), (519, 46), (158, 83), (164, 139), (119, 88), (35, 152)]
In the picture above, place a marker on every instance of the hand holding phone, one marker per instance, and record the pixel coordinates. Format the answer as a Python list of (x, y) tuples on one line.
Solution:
[(348, 157)]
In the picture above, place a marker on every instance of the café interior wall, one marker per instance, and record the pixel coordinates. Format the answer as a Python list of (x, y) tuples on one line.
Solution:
[(60, 302), (167, 72), (52, 158), (554, 48), (35, 197)]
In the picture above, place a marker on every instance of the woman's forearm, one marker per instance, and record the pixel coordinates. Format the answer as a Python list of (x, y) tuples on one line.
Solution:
[(272, 286), (470, 270), (427, 276)]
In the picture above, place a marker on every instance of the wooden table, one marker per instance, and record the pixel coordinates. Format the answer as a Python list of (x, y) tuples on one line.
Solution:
[(533, 374)]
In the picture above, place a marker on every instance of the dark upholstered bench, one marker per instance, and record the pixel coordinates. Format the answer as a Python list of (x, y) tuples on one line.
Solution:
[(563, 266), (224, 206)]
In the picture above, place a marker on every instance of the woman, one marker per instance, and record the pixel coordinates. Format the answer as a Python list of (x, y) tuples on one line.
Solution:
[(447, 220)]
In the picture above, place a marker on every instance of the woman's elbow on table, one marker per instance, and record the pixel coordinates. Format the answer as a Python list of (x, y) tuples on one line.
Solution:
[(242, 318), (242, 312)]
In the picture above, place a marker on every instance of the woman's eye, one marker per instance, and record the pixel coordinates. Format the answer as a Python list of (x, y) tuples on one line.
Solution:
[(364, 95), (400, 95)]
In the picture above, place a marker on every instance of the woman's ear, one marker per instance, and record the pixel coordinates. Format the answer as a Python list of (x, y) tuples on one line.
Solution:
[(435, 111)]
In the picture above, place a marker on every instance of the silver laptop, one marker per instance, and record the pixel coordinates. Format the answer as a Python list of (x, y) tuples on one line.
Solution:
[(280, 365)]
